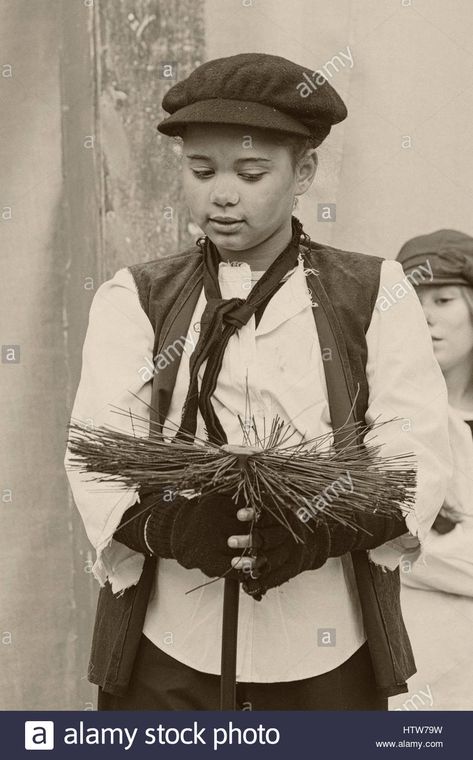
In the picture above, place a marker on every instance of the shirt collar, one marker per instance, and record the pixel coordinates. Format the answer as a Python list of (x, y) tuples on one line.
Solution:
[(290, 299)]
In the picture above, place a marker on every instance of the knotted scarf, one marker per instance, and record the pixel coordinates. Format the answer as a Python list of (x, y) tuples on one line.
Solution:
[(220, 320)]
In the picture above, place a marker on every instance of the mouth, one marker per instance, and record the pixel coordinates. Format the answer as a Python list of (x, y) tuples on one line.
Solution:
[(225, 223)]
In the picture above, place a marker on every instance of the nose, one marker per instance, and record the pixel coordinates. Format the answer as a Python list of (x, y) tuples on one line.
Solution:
[(223, 194), (430, 319), (428, 313), (426, 304)]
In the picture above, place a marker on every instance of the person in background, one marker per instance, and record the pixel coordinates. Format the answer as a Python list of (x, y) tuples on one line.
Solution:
[(440, 265)]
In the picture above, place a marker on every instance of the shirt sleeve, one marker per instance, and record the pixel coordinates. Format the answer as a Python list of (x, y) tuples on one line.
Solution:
[(447, 563), (405, 382), (448, 557), (117, 362)]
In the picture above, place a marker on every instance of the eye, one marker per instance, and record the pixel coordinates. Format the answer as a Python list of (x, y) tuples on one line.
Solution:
[(443, 300), (202, 173), (252, 177)]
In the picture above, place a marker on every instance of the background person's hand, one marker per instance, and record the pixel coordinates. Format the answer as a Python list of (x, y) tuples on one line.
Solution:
[(446, 519)]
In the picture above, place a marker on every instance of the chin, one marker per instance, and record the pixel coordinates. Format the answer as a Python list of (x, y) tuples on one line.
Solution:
[(229, 242)]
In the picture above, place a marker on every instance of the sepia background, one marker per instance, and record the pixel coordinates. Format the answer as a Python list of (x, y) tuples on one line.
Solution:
[(86, 188)]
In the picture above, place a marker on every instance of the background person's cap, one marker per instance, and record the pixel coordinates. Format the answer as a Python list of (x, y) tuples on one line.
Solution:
[(254, 90), (447, 252)]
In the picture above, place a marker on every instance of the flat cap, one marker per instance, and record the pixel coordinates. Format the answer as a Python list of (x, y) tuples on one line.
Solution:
[(448, 253), (254, 90)]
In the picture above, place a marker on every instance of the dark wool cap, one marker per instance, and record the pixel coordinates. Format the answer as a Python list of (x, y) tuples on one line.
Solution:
[(447, 252), (255, 90)]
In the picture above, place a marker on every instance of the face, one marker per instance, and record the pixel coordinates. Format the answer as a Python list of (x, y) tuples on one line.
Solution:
[(239, 187), (450, 323)]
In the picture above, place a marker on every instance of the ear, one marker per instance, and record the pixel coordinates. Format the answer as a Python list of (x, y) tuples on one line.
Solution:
[(305, 171)]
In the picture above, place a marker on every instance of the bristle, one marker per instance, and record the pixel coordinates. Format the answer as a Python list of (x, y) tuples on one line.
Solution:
[(280, 477)]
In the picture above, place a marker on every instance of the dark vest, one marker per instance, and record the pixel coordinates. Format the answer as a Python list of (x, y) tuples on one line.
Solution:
[(168, 291)]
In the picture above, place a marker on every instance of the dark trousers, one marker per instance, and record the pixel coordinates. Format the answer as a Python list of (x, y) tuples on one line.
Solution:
[(159, 682)]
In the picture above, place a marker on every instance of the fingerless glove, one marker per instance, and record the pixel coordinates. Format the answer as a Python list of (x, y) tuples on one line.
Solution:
[(192, 531), (281, 558)]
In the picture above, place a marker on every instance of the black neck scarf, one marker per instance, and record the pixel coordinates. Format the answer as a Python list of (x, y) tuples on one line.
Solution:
[(220, 320)]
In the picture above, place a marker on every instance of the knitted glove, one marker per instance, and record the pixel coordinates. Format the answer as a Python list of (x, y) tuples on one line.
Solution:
[(192, 531), (281, 558)]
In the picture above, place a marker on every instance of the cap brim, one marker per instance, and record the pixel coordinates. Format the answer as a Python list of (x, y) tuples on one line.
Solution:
[(241, 112), (413, 262), (437, 280)]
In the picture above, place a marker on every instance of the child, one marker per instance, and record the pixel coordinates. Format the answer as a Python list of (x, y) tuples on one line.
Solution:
[(447, 300), (440, 589), (320, 624)]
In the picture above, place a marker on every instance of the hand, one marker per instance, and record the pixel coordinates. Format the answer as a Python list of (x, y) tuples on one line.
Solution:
[(201, 534), (245, 561), (446, 519), (279, 557)]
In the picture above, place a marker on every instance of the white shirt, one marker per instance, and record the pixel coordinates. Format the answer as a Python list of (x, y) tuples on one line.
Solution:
[(447, 562), (277, 636)]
